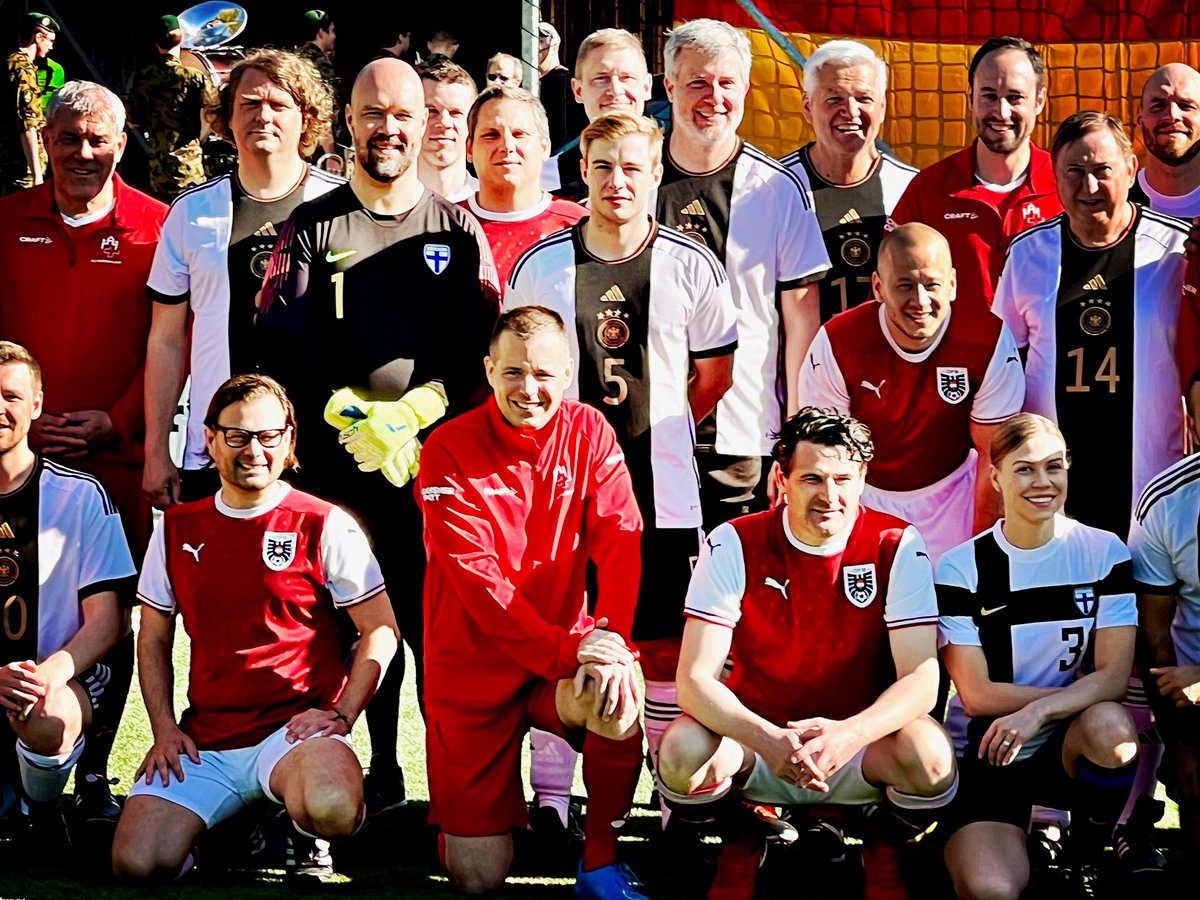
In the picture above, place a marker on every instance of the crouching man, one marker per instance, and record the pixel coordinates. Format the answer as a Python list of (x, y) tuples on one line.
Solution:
[(827, 609), (257, 573)]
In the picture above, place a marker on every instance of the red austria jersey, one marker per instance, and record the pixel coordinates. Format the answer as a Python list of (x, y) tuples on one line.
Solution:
[(810, 624), (257, 589), (511, 234), (919, 406)]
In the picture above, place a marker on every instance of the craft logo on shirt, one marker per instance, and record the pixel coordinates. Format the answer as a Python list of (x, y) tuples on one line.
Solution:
[(437, 257), (1085, 599), (1031, 214), (860, 585), (34, 239), (960, 215), (952, 383), (279, 549)]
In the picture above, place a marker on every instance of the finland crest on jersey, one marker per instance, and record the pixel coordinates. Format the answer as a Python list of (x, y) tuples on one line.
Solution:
[(437, 257), (279, 549), (1085, 599), (860, 584), (952, 383)]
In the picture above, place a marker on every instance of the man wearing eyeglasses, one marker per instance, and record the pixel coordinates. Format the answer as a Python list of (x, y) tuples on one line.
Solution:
[(504, 69), (257, 574)]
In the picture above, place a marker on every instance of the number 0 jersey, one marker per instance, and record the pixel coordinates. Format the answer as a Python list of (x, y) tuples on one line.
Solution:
[(634, 326), (1100, 327), (61, 542), (1034, 613), (852, 218)]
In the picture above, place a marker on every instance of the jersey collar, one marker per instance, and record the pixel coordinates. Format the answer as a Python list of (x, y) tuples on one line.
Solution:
[(908, 355), (517, 215), (833, 548), (281, 491)]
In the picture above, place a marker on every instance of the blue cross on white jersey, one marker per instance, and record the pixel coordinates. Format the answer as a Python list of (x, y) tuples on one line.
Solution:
[(437, 257)]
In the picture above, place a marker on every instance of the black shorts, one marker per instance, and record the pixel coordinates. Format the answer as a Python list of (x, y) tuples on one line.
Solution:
[(731, 486), (668, 557), (988, 793)]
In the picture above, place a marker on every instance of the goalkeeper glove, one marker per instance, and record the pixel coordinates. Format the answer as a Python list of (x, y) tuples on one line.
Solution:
[(382, 435)]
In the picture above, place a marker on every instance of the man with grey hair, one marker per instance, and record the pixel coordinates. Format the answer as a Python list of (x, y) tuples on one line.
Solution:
[(505, 69), (755, 215), (1169, 117), (854, 187), (95, 236)]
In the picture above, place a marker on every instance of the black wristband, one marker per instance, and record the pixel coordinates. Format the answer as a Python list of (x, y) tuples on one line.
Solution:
[(337, 715)]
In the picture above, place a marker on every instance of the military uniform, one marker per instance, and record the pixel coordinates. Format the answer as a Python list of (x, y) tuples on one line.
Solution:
[(26, 113), (166, 103), (317, 57)]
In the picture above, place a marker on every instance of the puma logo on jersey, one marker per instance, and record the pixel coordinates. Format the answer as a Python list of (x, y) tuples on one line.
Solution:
[(782, 588), (712, 548), (1095, 284), (267, 230), (195, 551), (6, 530), (878, 391), (812, 361), (332, 256), (922, 553), (612, 295), (850, 217), (994, 609), (695, 208)]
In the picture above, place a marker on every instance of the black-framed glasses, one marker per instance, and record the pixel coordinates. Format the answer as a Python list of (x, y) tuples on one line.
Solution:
[(236, 438)]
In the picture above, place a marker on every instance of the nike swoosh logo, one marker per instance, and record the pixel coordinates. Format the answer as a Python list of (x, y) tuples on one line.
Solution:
[(332, 256), (996, 609)]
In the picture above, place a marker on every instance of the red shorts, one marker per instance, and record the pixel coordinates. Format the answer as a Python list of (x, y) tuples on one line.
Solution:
[(473, 759)]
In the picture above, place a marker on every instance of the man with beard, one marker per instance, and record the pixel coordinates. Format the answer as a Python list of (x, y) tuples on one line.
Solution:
[(1170, 121), (386, 287), (984, 195), (442, 166)]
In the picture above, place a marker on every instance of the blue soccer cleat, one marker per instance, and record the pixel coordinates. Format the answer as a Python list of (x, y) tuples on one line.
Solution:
[(612, 882)]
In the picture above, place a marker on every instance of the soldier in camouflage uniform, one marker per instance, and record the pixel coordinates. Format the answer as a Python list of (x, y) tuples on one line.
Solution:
[(167, 105), (22, 157), (318, 48)]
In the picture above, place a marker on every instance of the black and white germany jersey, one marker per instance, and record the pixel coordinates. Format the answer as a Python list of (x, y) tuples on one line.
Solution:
[(1099, 327), (1034, 613), (638, 324), (61, 542), (755, 215), (852, 218)]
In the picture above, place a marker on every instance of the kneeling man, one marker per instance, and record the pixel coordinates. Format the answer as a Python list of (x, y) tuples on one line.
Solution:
[(827, 610), (519, 496), (257, 574)]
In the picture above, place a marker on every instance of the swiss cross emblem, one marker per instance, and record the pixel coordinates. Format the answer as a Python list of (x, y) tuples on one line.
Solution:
[(1085, 599), (860, 584), (952, 384), (279, 549), (110, 247), (1031, 214)]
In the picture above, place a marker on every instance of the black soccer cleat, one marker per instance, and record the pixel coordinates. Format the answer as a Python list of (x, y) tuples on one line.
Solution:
[(94, 801), (383, 789)]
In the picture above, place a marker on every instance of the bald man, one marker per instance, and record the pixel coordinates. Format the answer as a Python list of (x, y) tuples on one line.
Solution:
[(932, 381), (384, 287), (1169, 117)]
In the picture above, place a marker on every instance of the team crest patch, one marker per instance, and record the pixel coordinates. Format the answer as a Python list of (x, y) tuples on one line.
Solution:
[(1085, 599), (613, 331), (952, 383), (860, 584), (279, 549), (437, 257), (856, 251), (10, 571), (110, 246)]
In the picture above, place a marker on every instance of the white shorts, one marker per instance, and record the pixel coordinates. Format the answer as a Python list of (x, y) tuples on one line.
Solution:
[(225, 781), (847, 787), (944, 512)]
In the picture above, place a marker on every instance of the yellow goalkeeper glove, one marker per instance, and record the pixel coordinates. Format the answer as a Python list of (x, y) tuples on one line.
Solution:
[(382, 435)]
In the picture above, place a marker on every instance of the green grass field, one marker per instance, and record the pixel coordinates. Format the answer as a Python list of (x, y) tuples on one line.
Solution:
[(395, 855)]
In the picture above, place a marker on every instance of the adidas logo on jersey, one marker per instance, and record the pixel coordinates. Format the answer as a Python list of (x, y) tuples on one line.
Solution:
[(612, 295), (1095, 284), (850, 217), (695, 208), (267, 230), (6, 530)]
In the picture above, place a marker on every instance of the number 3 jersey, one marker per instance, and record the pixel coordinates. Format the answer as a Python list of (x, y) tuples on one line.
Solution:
[(1100, 328), (61, 542), (1034, 613), (634, 326)]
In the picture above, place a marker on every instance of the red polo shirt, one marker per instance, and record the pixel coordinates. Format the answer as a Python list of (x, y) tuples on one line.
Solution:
[(978, 223), (75, 298)]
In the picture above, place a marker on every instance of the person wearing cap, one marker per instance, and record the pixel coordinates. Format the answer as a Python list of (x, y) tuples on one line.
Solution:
[(22, 158), (167, 105), (555, 91), (319, 48)]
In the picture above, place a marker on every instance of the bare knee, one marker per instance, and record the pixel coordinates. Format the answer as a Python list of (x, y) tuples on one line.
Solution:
[(989, 885), (687, 746), (925, 756), (1108, 734), (475, 868), (329, 810), (136, 859)]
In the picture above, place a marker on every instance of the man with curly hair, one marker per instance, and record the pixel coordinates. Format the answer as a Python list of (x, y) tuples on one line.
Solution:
[(216, 243)]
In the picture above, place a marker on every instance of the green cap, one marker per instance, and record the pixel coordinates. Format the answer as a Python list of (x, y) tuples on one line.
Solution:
[(43, 21), (169, 24), (315, 16)]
